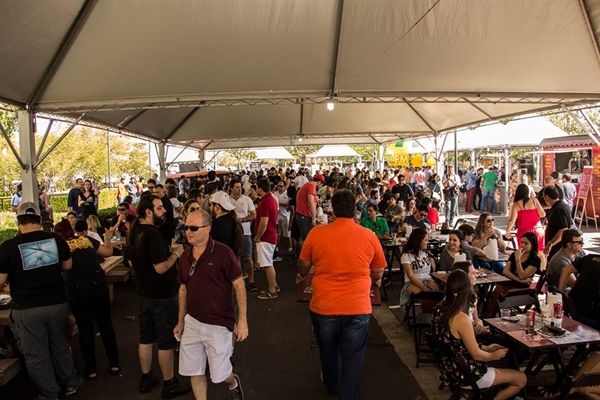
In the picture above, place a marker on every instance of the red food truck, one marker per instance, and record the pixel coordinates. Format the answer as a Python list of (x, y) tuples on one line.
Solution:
[(570, 155)]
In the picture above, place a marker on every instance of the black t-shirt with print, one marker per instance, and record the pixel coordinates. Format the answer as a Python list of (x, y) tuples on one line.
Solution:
[(145, 249), (33, 262), (85, 258)]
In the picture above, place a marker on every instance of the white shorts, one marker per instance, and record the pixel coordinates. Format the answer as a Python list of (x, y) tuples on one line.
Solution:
[(487, 380), (202, 341), (283, 227), (264, 254)]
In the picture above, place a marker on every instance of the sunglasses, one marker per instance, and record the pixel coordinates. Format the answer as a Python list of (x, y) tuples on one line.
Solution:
[(150, 187), (121, 209), (489, 220), (577, 241), (192, 209), (279, 186), (193, 228), (422, 215)]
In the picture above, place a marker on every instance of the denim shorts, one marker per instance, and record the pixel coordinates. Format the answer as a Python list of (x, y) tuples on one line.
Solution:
[(157, 318), (247, 250)]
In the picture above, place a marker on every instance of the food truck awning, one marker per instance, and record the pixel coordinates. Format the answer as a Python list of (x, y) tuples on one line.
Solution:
[(583, 141)]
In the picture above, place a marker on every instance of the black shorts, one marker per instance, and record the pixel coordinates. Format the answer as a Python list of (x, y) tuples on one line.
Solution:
[(157, 318)]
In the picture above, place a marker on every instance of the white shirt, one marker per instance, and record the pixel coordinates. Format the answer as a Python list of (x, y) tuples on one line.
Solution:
[(284, 202), (176, 203), (300, 180), (245, 179), (243, 206), (420, 264)]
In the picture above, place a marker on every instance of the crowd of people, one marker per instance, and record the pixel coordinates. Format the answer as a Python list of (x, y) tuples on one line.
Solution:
[(195, 244)]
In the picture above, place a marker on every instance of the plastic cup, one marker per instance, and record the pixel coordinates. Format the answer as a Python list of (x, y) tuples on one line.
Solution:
[(505, 313)]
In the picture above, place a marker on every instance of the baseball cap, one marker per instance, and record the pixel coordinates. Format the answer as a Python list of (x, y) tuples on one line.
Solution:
[(29, 208), (222, 199), (319, 177)]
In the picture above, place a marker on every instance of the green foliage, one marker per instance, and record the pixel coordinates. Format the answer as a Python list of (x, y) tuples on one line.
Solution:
[(59, 203), (300, 152), (107, 213), (568, 124), (9, 121), (237, 158), (6, 234), (108, 199)]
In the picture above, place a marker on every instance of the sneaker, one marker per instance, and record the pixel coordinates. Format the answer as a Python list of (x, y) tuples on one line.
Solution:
[(277, 259), (267, 296), (147, 383), (277, 290), (174, 389), (74, 386), (237, 393), (252, 287)]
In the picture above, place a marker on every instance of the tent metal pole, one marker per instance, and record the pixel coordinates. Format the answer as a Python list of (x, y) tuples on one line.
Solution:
[(336, 44), (12, 146), (39, 152), (58, 141), (129, 119), (507, 173), (182, 123), (177, 156), (62, 51), (419, 115), (27, 147), (586, 128), (455, 153), (161, 161), (588, 24)]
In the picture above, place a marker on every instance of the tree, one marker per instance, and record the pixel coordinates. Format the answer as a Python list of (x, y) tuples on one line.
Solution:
[(568, 124), (300, 152)]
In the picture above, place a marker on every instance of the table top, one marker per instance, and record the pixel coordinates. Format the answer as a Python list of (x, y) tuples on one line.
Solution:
[(503, 256), (111, 262), (576, 333), (393, 242), (484, 277)]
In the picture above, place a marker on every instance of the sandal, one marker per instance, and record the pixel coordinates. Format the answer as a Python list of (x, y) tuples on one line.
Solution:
[(92, 375)]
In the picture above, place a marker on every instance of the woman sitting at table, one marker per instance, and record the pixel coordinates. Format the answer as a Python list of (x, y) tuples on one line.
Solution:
[(418, 266), (451, 250), (520, 268), (452, 325), (484, 232), (471, 251), (88, 296)]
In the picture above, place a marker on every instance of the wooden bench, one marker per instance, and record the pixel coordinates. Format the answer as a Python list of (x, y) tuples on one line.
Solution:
[(117, 274), (9, 368)]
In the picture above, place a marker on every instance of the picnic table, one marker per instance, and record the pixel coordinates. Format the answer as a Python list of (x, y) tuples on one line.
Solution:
[(540, 342), (115, 272)]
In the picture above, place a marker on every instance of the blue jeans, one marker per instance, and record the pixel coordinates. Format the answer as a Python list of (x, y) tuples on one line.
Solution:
[(487, 198), (498, 266), (451, 209), (345, 336)]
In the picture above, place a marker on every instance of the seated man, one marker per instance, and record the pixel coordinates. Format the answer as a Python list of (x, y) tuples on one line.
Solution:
[(122, 222), (572, 249), (418, 220), (393, 214), (586, 289), (375, 223)]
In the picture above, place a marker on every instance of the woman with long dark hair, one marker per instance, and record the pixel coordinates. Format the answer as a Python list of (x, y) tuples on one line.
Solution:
[(87, 199), (417, 265), (88, 295), (526, 211), (451, 324)]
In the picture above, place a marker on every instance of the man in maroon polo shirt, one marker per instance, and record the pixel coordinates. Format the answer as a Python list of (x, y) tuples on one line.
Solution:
[(306, 206), (265, 235), (208, 271)]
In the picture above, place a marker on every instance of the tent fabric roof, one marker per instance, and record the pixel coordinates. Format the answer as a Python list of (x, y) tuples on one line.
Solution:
[(335, 151), (521, 133), (274, 153), (248, 73)]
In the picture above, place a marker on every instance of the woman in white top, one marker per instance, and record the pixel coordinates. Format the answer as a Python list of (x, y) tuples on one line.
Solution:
[(417, 265), (177, 206)]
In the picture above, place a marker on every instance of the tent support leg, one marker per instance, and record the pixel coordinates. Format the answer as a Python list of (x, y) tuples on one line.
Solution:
[(27, 147)]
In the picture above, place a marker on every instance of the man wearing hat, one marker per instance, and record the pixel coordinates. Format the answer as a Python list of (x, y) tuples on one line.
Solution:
[(225, 228), (33, 262), (306, 206)]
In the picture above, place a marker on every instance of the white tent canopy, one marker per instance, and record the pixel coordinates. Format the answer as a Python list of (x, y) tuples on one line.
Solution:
[(273, 153), (334, 151), (248, 73), (521, 133)]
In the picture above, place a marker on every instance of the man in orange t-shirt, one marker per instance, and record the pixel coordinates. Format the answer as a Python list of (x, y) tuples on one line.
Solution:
[(347, 258)]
